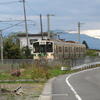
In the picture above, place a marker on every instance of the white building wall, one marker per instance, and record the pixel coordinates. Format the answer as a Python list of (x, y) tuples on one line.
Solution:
[(23, 41)]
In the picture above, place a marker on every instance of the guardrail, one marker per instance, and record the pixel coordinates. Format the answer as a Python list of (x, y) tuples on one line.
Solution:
[(86, 66)]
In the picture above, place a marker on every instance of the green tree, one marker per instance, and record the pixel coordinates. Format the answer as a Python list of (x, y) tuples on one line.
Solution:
[(85, 43), (11, 47), (26, 53)]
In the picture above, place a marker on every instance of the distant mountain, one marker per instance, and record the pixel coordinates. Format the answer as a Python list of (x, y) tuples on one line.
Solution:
[(93, 43)]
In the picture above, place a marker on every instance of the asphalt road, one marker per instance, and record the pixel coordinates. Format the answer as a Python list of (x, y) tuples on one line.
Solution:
[(79, 86)]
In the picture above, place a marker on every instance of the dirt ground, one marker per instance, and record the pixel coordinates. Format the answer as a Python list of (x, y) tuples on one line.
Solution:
[(31, 91)]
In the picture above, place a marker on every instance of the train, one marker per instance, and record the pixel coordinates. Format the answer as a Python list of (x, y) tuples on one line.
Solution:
[(57, 49)]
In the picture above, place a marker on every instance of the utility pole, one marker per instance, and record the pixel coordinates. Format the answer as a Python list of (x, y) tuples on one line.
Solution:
[(41, 26), (48, 20), (25, 20), (1, 46), (79, 31)]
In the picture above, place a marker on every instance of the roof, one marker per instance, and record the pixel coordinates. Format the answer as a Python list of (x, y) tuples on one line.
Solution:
[(32, 35), (71, 41)]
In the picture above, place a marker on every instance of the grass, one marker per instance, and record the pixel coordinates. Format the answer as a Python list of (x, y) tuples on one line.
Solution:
[(4, 76), (56, 72), (36, 73)]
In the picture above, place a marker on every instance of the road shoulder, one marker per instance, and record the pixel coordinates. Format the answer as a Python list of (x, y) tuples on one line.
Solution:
[(47, 92)]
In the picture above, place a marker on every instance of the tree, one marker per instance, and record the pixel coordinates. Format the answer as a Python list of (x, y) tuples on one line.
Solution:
[(85, 43), (26, 52), (11, 47)]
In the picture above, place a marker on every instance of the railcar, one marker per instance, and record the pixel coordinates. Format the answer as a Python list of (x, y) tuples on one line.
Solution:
[(57, 49)]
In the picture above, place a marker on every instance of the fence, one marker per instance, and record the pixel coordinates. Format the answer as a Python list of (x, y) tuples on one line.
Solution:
[(9, 64), (85, 60), (15, 63)]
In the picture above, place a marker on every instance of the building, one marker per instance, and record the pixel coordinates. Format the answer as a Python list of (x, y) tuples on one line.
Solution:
[(31, 39)]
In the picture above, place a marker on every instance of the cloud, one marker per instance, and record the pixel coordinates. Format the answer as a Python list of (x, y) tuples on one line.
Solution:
[(67, 12)]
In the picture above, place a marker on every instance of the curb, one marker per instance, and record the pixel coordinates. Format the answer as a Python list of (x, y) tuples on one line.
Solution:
[(47, 92), (21, 80)]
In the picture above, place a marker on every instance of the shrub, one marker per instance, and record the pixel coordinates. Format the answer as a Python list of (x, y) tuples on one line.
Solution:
[(40, 73)]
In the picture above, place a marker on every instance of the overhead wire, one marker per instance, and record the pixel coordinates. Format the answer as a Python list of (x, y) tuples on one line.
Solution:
[(10, 2), (11, 26), (28, 6)]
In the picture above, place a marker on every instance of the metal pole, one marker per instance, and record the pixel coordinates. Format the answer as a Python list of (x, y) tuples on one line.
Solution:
[(48, 20), (1, 46), (79, 32), (41, 26), (25, 19)]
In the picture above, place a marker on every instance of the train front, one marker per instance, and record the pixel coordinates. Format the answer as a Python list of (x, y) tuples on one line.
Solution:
[(43, 49)]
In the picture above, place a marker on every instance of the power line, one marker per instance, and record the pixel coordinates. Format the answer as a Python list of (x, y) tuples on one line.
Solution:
[(28, 6), (3, 21), (12, 26), (10, 2)]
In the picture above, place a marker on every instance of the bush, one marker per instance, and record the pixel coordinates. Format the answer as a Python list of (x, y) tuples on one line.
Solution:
[(40, 73), (91, 53)]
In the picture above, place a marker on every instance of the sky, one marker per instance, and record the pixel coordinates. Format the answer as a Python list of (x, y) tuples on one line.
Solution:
[(67, 14)]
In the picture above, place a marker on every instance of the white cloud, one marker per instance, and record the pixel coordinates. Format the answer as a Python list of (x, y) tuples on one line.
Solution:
[(93, 33)]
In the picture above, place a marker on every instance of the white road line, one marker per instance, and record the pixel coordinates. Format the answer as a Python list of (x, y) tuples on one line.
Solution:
[(71, 87)]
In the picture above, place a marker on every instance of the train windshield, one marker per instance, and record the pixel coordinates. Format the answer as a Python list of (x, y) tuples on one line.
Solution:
[(43, 47)]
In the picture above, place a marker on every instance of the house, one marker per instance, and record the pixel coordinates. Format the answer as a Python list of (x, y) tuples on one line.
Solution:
[(31, 39)]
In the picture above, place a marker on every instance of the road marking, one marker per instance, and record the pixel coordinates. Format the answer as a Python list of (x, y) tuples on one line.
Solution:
[(72, 88), (55, 94)]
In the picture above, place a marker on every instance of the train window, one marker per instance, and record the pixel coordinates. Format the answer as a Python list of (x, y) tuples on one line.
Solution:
[(60, 49), (66, 49), (36, 47), (81, 49), (77, 49), (74, 49), (70, 49), (49, 47), (39, 48), (56, 49), (43, 48)]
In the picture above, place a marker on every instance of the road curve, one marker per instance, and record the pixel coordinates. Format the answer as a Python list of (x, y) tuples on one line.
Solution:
[(79, 86)]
